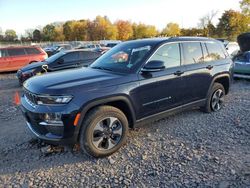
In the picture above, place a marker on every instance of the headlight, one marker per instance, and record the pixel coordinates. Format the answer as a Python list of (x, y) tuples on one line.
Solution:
[(53, 99), (28, 73)]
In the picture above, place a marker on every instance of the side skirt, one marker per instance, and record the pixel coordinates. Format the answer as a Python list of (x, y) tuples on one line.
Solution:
[(163, 114)]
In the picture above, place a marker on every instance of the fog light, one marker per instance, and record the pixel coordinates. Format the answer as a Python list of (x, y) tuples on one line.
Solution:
[(52, 119)]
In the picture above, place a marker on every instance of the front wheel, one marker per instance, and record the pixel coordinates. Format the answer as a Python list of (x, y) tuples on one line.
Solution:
[(215, 98), (104, 131)]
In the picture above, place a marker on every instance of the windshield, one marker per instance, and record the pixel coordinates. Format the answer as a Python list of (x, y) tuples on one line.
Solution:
[(123, 58), (54, 57)]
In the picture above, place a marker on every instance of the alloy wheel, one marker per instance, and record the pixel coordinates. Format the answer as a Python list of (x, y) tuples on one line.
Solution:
[(107, 133), (217, 100)]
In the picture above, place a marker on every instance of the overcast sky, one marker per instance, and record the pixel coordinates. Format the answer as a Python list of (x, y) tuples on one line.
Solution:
[(24, 14)]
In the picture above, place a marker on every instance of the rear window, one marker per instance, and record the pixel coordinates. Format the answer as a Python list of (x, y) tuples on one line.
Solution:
[(88, 55), (3, 53), (32, 51), (192, 53), (72, 56), (215, 51), (16, 52)]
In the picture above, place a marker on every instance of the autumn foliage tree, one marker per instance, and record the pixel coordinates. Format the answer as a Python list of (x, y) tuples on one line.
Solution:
[(231, 24), (124, 30), (144, 31), (171, 29)]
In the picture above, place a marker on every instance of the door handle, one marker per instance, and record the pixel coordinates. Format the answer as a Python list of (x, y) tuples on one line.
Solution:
[(209, 67), (178, 73)]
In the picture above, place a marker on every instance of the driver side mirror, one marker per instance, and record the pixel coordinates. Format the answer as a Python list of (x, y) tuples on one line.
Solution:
[(153, 66)]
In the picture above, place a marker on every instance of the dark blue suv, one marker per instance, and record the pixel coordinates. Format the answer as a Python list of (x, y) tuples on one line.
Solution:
[(133, 82)]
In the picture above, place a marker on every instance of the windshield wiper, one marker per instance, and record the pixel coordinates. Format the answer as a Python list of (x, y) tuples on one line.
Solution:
[(101, 68)]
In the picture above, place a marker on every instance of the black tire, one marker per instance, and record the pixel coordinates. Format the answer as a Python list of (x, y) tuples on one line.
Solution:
[(94, 128), (209, 106)]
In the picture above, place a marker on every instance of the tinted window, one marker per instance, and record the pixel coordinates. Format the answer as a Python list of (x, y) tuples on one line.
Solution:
[(32, 51), (169, 54), (192, 52), (71, 57), (3, 53), (88, 55), (124, 57), (205, 52), (215, 51), (16, 52)]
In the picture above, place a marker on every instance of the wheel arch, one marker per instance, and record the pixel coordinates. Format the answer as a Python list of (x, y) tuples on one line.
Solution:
[(123, 103), (223, 79)]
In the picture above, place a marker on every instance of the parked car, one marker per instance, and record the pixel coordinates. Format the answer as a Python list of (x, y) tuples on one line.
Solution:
[(62, 60), (90, 46), (111, 45), (231, 47), (57, 48), (242, 59), (133, 82), (13, 58)]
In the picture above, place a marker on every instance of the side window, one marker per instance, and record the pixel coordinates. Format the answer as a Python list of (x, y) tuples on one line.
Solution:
[(3, 53), (205, 52), (169, 54), (215, 51), (32, 51), (70, 57), (88, 55), (16, 52), (192, 53)]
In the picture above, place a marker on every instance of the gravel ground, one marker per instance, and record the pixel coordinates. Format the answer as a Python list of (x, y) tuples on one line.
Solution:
[(189, 149)]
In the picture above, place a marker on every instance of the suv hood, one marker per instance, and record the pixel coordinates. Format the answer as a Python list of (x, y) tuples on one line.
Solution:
[(33, 66), (62, 82)]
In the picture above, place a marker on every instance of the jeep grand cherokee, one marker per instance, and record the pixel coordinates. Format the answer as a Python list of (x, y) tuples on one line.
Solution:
[(133, 82)]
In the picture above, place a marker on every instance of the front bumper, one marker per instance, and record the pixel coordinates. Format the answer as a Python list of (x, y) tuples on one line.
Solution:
[(65, 133)]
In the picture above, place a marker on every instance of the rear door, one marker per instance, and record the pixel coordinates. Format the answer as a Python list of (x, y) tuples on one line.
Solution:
[(33, 53), (18, 58), (197, 74)]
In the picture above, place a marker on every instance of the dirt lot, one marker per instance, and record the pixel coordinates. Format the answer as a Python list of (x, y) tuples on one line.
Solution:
[(189, 149)]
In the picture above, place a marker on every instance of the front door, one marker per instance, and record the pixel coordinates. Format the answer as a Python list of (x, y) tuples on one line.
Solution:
[(69, 60), (163, 90)]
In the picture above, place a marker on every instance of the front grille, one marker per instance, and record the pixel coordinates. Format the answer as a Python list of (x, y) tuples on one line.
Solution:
[(30, 97)]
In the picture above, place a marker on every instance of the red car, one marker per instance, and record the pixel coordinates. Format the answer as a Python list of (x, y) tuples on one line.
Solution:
[(13, 58)]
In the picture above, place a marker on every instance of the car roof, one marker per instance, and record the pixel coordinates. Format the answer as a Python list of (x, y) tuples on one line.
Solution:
[(13, 47), (79, 50), (160, 40)]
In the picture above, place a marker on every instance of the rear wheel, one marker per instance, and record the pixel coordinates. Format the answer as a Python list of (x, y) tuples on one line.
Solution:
[(215, 98), (103, 131)]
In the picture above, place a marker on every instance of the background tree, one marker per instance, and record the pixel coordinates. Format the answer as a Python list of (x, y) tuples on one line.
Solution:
[(101, 29), (10, 35), (172, 29), (49, 32), (144, 31), (59, 36), (245, 7), (124, 29), (37, 36), (28, 34), (207, 25), (1, 34), (231, 24), (191, 32)]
